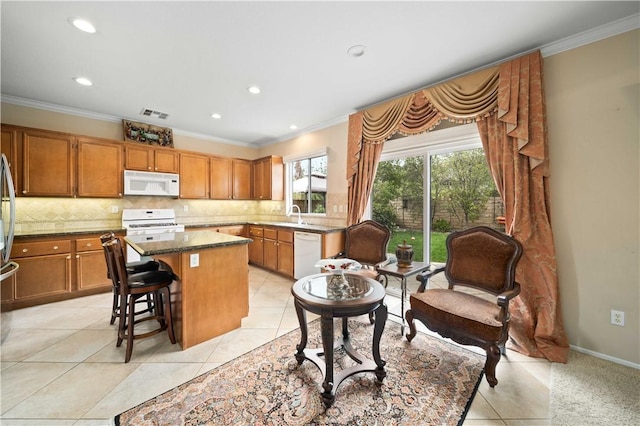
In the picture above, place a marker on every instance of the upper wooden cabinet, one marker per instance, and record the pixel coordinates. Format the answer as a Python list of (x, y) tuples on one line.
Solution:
[(230, 179), (268, 178), (48, 164), (194, 175), (99, 168), (148, 158), (10, 150)]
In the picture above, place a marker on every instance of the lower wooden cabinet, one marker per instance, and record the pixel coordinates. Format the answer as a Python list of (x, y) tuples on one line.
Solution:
[(272, 248), (54, 269)]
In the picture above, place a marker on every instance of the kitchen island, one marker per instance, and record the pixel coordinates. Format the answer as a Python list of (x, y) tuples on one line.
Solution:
[(211, 295)]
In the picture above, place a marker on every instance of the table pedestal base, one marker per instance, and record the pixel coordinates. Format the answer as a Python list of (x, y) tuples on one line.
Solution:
[(363, 364)]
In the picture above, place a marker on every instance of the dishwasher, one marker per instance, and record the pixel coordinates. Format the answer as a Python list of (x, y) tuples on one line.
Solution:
[(306, 248)]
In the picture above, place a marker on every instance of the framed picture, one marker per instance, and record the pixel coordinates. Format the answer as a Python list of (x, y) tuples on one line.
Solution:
[(146, 133)]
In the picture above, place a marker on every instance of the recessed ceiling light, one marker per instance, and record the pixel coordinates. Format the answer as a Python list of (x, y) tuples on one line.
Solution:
[(356, 51), (84, 81), (216, 116), (253, 90), (83, 25), (293, 127)]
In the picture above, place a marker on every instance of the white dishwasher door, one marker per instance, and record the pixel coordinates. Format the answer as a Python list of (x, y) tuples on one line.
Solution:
[(307, 248)]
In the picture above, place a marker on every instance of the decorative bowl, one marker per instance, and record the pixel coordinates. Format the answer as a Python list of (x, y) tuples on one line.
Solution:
[(338, 266)]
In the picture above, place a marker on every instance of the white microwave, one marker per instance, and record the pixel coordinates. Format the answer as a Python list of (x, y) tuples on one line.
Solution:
[(151, 183)]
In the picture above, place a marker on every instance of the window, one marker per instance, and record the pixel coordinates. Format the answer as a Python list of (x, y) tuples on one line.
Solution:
[(307, 184), (443, 173)]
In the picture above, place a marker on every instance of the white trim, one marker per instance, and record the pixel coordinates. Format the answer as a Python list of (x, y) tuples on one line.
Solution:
[(605, 357), (30, 103), (611, 29), (435, 142), (305, 155)]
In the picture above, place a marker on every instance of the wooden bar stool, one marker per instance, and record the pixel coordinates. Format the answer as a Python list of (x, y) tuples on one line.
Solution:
[(153, 284), (132, 268)]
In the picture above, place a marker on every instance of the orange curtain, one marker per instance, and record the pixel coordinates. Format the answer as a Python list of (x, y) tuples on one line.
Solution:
[(507, 103), (515, 145)]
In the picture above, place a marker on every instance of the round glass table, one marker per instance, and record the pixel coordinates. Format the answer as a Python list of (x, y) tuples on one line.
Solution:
[(339, 296)]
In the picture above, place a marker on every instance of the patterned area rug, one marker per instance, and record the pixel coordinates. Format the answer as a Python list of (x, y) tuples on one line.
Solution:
[(428, 381)]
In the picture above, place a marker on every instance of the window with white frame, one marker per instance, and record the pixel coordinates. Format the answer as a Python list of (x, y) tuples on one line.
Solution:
[(307, 183)]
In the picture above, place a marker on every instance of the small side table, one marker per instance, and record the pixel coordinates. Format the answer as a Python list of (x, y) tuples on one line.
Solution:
[(403, 273), (321, 294)]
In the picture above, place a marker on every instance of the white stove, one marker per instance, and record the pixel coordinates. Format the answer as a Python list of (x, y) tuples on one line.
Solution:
[(155, 224)]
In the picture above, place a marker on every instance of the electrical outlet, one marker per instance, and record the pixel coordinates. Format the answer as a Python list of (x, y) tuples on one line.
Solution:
[(185, 208), (114, 209), (194, 260), (617, 318)]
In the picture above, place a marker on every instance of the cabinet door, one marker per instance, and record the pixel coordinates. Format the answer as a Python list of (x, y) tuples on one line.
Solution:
[(41, 276), (138, 158), (258, 178), (221, 178), (241, 180), (166, 161), (10, 150), (268, 178), (194, 176), (256, 251), (99, 168), (91, 269), (270, 254), (285, 258), (48, 164)]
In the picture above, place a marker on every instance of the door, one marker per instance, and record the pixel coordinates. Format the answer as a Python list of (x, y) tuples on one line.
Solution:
[(48, 164)]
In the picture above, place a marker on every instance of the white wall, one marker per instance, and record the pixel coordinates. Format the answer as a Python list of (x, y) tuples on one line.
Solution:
[(592, 95)]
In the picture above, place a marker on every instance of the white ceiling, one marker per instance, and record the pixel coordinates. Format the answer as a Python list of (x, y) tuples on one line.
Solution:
[(191, 59)]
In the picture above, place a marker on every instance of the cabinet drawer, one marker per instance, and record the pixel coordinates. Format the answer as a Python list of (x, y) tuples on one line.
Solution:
[(285, 236), (40, 248), (237, 230), (271, 233), (255, 231), (88, 244)]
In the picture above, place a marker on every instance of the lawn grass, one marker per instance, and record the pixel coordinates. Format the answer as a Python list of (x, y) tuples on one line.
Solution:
[(416, 239)]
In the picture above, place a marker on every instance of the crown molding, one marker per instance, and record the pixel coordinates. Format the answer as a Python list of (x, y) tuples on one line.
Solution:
[(14, 100), (611, 29)]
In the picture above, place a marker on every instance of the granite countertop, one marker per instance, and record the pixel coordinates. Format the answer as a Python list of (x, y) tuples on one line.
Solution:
[(61, 230), (183, 241)]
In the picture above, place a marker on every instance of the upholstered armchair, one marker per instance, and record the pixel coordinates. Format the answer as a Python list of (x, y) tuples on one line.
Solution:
[(481, 262), (366, 242)]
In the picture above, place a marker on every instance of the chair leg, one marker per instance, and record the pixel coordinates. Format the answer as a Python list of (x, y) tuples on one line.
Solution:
[(166, 299), (114, 306), (412, 326), (493, 356), (122, 321), (130, 325)]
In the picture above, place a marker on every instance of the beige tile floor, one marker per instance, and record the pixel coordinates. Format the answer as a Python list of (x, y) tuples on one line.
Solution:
[(60, 365)]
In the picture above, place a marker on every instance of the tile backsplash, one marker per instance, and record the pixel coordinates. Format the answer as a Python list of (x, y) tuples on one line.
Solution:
[(35, 214)]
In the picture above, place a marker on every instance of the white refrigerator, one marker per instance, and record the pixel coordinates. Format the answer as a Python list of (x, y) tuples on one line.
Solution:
[(7, 227)]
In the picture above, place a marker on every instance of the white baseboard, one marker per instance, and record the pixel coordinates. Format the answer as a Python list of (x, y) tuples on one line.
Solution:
[(606, 357)]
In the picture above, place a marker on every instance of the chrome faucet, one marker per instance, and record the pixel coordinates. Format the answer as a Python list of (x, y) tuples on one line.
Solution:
[(299, 217)]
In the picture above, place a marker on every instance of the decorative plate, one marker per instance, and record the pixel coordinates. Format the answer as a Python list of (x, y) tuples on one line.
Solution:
[(338, 266)]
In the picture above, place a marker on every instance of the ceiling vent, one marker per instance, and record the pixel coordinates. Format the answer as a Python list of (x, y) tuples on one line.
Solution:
[(151, 113)]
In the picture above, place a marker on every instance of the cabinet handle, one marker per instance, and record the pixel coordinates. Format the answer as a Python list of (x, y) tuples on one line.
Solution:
[(68, 257), (77, 256), (25, 250), (55, 247), (88, 244), (24, 191)]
